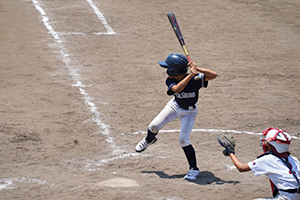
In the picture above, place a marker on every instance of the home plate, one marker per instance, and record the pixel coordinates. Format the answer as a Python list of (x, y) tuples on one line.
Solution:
[(118, 182)]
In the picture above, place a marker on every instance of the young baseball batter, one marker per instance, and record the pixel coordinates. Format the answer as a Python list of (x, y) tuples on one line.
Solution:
[(185, 89), (276, 163)]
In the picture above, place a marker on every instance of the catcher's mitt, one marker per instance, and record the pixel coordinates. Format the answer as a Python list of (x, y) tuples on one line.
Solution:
[(227, 142)]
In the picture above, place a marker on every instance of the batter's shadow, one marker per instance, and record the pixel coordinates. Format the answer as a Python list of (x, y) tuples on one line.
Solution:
[(206, 178)]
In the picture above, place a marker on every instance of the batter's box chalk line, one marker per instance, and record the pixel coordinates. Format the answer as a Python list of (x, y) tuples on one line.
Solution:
[(203, 130), (8, 183)]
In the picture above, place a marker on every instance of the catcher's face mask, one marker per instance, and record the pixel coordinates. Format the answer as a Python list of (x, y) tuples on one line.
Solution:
[(278, 138)]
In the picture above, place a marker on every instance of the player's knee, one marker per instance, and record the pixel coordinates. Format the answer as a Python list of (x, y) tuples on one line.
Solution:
[(184, 142), (153, 128)]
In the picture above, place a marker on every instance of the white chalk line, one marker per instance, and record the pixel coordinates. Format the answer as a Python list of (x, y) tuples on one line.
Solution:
[(203, 130), (8, 183), (196, 130), (54, 34), (101, 17), (96, 164), (84, 34), (230, 167), (104, 128)]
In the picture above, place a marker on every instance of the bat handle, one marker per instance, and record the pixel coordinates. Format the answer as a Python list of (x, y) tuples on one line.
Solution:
[(188, 58)]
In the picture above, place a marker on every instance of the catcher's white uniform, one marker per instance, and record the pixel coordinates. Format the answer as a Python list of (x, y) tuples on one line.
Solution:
[(279, 174)]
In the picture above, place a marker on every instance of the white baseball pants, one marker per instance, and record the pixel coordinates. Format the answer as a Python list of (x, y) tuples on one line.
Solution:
[(171, 112)]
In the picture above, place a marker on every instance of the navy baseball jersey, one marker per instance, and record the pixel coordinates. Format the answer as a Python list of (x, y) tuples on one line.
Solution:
[(189, 95)]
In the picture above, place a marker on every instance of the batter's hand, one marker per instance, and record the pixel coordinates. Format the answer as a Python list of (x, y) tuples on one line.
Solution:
[(193, 68), (192, 64), (193, 71)]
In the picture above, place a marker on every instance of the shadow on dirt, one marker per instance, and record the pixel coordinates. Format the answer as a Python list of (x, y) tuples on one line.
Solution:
[(205, 179)]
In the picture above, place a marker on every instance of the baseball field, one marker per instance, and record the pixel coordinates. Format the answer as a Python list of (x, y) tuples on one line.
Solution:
[(80, 82)]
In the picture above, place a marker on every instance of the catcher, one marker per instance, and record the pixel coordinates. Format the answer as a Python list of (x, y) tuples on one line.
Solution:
[(276, 163)]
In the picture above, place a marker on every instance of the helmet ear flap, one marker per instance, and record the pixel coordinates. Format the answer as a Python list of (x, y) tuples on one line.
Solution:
[(264, 146), (263, 142), (175, 72)]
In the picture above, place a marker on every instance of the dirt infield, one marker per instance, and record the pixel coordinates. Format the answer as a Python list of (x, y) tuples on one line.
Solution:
[(75, 100)]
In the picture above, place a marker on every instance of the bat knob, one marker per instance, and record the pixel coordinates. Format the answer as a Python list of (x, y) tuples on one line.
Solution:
[(197, 77)]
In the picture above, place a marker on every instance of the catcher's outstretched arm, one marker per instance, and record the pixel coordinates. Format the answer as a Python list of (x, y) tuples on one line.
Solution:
[(242, 167)]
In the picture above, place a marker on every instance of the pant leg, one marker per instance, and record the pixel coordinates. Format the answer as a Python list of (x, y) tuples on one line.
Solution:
[(168, 114), (187, 120)]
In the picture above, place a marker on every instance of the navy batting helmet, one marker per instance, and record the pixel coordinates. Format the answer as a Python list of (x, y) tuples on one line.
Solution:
[(176, 64)]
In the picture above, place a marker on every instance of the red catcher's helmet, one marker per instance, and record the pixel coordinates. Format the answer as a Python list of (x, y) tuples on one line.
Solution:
[(278, 138)]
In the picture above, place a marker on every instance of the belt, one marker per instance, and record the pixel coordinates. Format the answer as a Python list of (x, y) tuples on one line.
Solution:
[(192, 107), (290, 190)]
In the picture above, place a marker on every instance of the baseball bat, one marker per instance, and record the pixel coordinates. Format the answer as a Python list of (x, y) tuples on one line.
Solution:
[(177, 31), (178, 34)]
